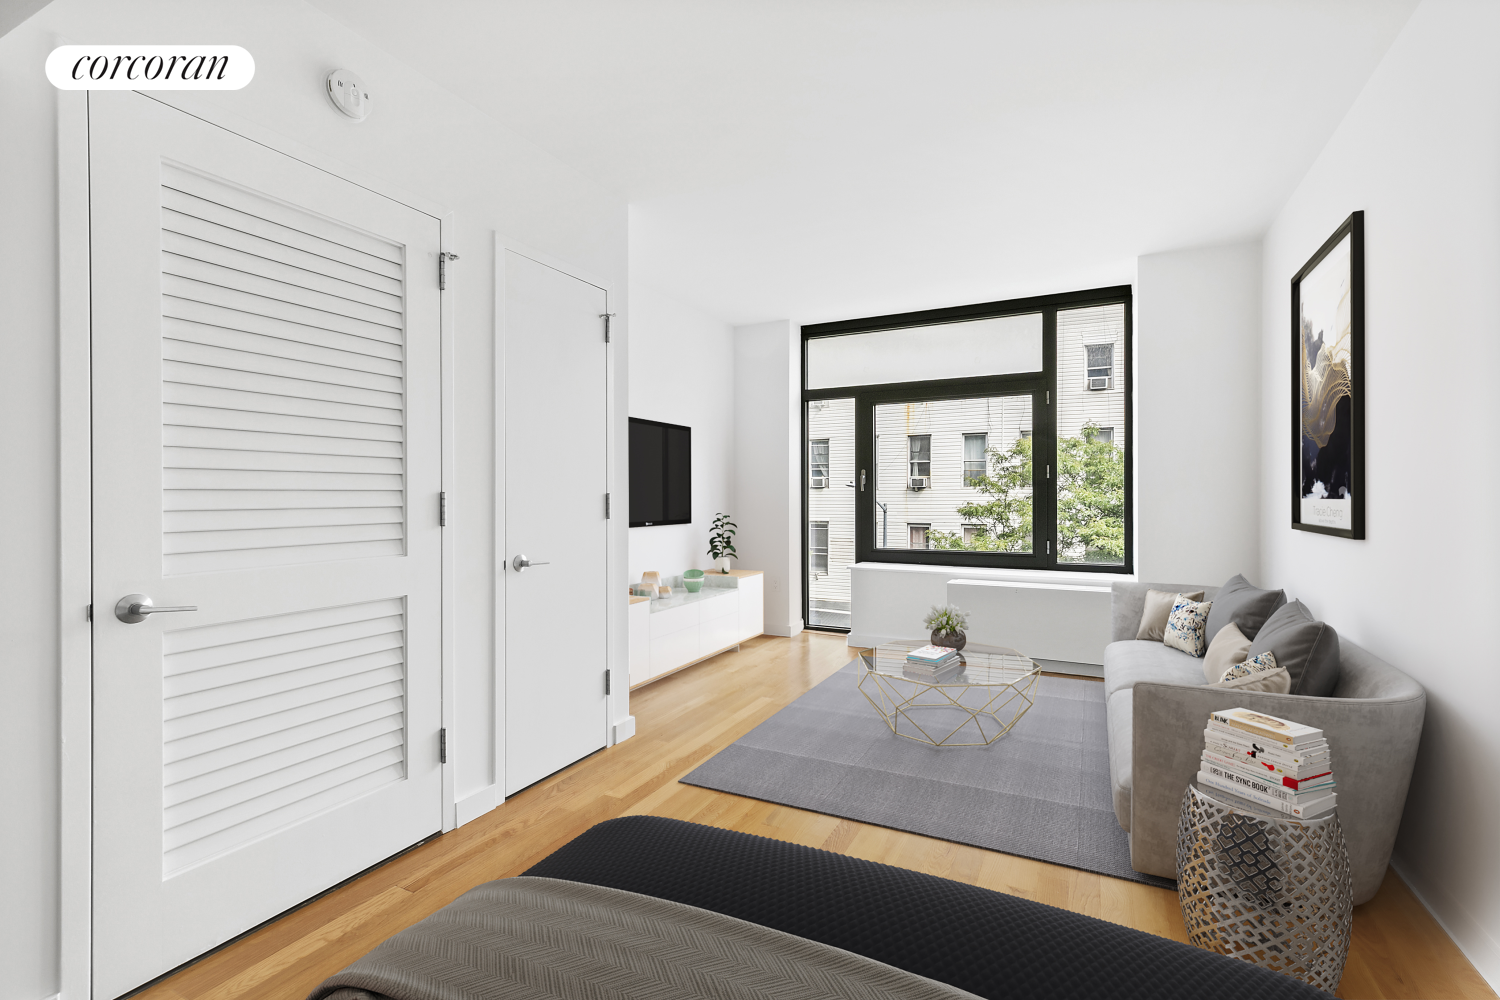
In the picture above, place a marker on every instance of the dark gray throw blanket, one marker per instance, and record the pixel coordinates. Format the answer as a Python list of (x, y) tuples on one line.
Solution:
[(546, 938)]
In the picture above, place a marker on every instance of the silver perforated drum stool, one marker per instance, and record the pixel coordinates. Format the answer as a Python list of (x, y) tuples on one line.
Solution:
[(1270, 889)]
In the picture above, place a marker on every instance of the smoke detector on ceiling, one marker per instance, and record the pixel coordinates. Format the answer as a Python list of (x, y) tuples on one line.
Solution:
[(348, 93)]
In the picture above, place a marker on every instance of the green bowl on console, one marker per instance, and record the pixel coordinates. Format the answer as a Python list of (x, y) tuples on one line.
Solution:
[(693, 580)]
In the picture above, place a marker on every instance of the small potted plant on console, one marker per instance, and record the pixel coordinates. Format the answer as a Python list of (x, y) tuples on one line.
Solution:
[(721, 542)]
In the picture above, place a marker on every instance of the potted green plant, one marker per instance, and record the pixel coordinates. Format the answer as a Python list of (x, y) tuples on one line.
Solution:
[(721, 542), (947, 624)]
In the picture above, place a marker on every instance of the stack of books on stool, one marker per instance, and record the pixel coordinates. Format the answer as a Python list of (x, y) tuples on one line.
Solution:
[(1284, 766), (932, 662)]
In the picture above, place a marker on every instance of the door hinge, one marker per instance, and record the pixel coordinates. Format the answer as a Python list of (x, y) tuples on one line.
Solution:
[(443, 259), (605, 317), (1049, 472), (88, 612), (606, 506), (443, 745), (1049, 546), (1049, 397), (442, 510), (606, 682)]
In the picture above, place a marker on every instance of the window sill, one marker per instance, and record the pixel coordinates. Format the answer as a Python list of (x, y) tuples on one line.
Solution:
[(1054, 576)]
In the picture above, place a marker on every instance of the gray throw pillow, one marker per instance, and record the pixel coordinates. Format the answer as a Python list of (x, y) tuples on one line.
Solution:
[(1248, 607), (1307, 648)]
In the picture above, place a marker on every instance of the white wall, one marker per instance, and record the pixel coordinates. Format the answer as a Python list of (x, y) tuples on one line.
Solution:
[(1419, 152), (1197, 396), (767, 470), (29, 799), (682, 372), (420, 139)]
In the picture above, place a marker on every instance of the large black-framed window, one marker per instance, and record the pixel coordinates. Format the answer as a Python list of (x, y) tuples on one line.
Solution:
[(916, 444)]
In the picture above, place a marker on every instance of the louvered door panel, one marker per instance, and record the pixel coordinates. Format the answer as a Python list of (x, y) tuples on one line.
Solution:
[(266, 403), (271, 720), (283, 383)]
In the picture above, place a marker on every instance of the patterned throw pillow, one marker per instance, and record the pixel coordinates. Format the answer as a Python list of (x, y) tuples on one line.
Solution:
[(1259, 673), (1187, 626)]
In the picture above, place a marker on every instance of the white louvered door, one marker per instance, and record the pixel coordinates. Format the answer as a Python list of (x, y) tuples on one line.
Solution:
[(266, 387)]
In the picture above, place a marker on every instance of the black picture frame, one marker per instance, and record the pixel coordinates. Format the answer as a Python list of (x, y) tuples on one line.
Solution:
[(1328, 388)]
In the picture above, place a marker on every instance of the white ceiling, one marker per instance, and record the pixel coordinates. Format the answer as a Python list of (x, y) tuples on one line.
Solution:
[(824, 159)]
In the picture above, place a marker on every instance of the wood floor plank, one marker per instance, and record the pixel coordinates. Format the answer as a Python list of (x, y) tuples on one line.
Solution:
[(681, 721)]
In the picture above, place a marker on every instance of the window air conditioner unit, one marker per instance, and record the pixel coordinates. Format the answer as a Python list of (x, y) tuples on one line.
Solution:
[(1104, 382), (818, 482), (919, 482)]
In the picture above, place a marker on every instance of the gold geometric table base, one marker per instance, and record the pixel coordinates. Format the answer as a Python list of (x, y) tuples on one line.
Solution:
[(991, 708), (1273, 891)]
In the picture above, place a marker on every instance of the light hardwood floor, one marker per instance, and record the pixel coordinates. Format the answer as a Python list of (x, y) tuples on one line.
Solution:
[(1398, 949)]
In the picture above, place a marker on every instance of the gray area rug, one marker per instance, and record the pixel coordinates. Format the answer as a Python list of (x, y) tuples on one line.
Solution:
[(1042, 791)]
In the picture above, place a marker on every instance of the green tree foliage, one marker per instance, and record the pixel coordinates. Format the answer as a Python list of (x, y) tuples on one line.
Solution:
[(1004, 518), (1090, 501)]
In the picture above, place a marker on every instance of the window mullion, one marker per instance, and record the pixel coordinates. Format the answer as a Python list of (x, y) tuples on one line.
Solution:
[(1044, 450)]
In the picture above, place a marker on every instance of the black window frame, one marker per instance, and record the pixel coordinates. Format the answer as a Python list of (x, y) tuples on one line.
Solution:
[(1041, 386), (971, 474), (826, 466), (811, 527), (913, 459), (1089, 368)]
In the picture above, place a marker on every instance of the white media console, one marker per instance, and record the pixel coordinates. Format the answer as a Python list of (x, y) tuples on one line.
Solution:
[(669, 633)]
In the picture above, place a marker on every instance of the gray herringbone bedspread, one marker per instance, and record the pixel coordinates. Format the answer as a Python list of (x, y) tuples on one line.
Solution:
[(537, 937)]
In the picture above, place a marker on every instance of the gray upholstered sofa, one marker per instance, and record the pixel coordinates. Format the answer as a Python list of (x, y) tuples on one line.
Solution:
[(1158, 704)]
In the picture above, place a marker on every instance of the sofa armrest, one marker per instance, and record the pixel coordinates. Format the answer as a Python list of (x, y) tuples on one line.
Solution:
[(1374, 743)]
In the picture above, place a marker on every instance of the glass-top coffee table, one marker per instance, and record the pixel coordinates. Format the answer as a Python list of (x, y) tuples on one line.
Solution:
[(969, 704)]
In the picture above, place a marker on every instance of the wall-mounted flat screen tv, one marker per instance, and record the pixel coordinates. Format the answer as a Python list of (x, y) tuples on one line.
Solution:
[(661, 473)]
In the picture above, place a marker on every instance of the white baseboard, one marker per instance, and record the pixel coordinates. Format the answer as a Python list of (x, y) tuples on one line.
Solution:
[(624, 728), (476, 804), (1478, 946)]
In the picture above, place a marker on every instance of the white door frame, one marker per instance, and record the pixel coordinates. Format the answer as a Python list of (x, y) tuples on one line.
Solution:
[(75, 461), (487, 798)]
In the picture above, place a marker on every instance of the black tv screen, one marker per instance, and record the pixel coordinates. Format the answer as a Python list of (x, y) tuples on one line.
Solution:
[(661, 473)]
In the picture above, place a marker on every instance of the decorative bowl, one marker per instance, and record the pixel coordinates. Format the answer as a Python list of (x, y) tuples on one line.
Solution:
[(693, 580)]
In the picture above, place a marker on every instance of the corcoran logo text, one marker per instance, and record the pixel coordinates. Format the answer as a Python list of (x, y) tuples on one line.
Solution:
[(150, 67)]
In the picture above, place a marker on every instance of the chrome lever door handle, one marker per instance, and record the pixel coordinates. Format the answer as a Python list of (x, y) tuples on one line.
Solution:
[(519, 564), (134, 608)]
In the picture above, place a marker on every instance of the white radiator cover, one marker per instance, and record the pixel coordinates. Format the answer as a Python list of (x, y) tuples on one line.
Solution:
[(1051, 621), (1062, 616)]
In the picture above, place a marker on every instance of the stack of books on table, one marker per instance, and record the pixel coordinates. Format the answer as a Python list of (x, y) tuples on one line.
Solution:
[(1281, 765), (932, 661)]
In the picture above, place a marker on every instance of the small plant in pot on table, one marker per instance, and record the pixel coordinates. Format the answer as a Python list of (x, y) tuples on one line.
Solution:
[(721, 542), (947, 624)]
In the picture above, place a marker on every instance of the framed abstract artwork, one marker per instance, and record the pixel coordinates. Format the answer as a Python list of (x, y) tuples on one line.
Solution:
[(1328, 398)]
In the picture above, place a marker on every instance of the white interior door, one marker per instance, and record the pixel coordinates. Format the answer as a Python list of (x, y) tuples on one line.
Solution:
[(266, 445), (555, 480)]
